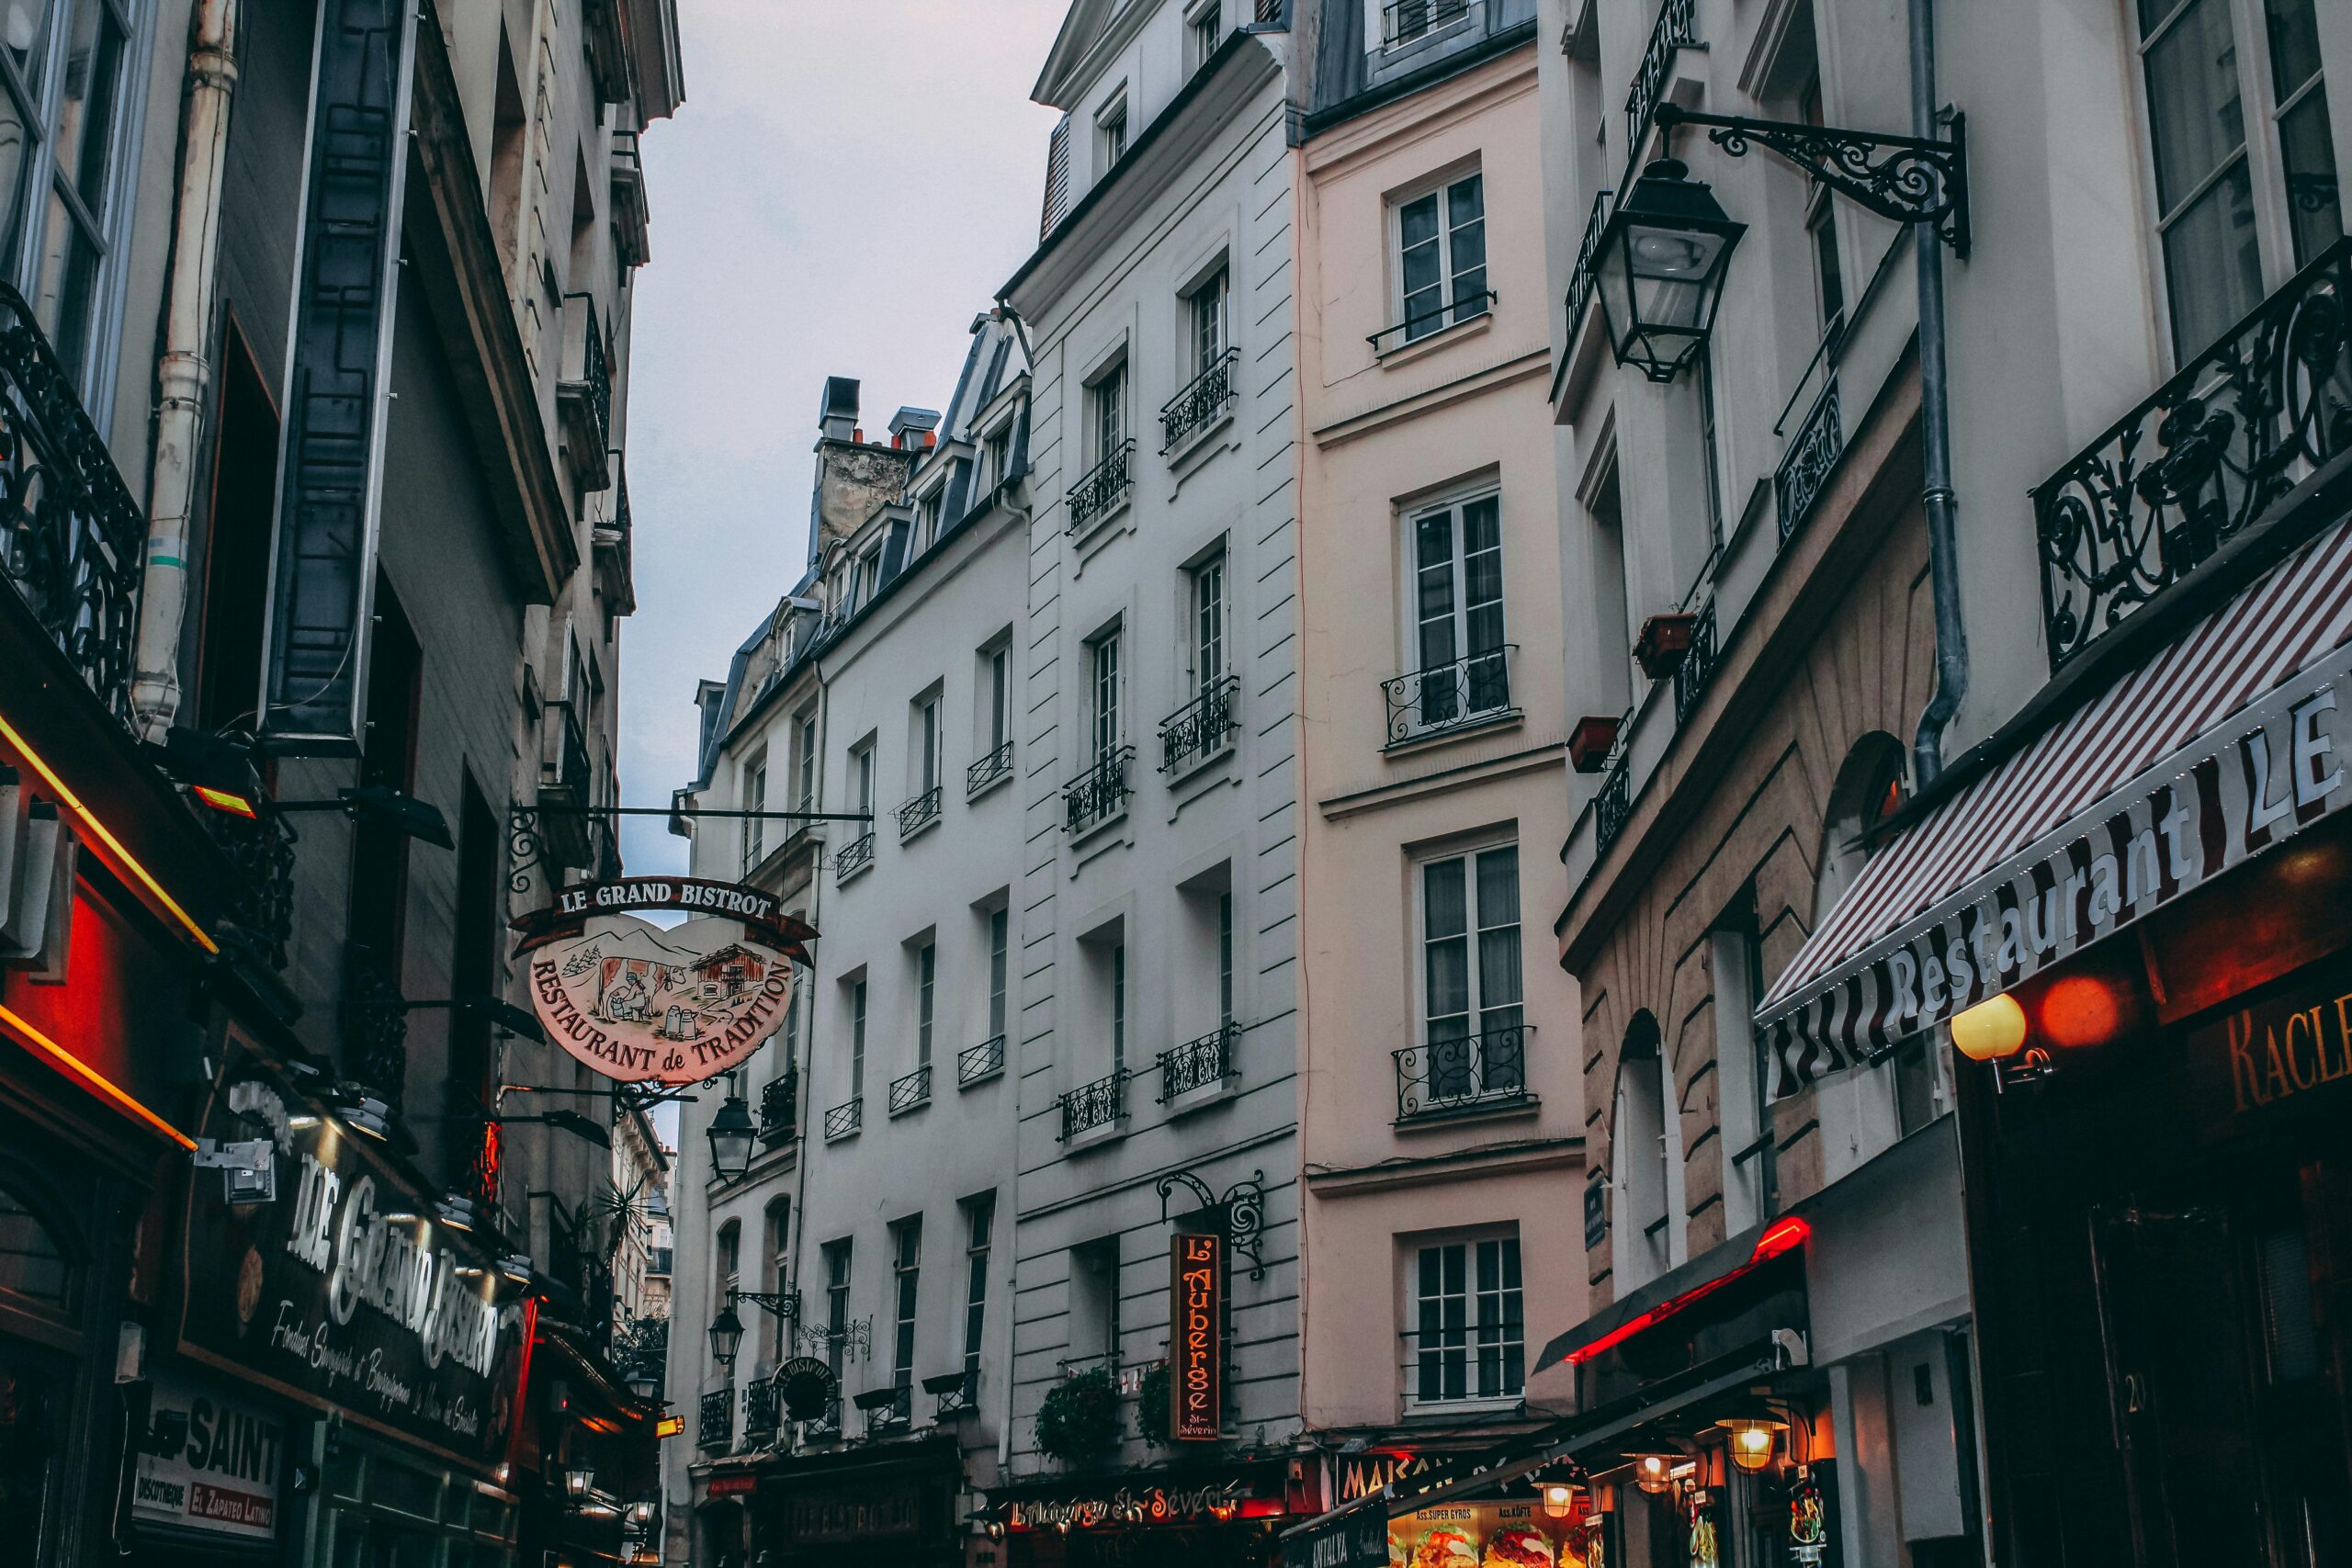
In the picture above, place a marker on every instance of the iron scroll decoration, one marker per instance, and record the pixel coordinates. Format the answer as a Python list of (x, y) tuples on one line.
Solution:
[(1243, 1206), (1909, 179)]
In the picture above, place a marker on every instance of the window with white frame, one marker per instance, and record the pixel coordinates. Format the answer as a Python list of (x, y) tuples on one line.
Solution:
[(1224, 958), (1111, 133), (998, 465), (906, 1280), (1119, 958), (928, 514), (857, 1039), (1000, 937), (979, 1220), (1106, 410), (926, 984), (1821, 226), (1456, 613), (1402, 21), (1205, 26), (861, 774), (926, 743), (1208, 622), (1207, 310), (2243, 165), (755, 799), (1441, 248), (1000, 697), (1735, 968), (1469, 1339), (1103, 672), (837, 1263), (804, 760), (1471, 984)]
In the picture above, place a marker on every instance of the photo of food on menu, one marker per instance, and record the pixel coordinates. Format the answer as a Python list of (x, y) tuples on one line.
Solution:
[(1484, 1535)]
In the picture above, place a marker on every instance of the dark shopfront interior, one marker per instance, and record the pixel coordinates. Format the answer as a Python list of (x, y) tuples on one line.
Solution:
[(2166, 1290)]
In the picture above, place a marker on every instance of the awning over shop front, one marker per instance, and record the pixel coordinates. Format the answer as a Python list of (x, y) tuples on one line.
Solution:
[(2221, 745)]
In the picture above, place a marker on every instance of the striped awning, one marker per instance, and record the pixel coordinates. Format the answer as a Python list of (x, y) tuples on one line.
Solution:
[(2222, 744)]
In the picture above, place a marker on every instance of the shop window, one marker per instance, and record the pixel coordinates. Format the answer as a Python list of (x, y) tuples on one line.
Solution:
[(1468, 1335), (35, 1268)]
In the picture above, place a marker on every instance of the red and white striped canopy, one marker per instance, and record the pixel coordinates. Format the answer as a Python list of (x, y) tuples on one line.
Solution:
[(2222, 744)]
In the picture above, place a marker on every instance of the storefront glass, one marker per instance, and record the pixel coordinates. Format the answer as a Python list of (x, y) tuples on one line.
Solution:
[(386, 1511)]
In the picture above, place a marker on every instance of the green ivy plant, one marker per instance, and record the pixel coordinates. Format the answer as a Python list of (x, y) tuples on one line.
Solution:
[(1151, 1408), (1079, 1418)]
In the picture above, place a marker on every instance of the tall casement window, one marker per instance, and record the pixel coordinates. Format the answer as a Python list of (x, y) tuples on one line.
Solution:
[(861, 774), (773, 1334), (1111, 133), (837, 1262), (1206, 306), (1208, 622), (1000, 698), (1456, 612), (926, 728), (1821, 226), (2245, 166), (804, 760), (1205, 26), (1224, 958), (997, 461), (727, 1258), (926, 981), (1107, 413), (1469, 1333), (980, 1220), (1118, 1005), (1441, 238), (1470, 975), (906, 1267), (755, 798), (999, 936), (1102, 662), (1710, 461), (856, 1038)]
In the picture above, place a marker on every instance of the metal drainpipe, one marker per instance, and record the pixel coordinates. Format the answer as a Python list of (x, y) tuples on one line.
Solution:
[(1935, 438), (183, 374)]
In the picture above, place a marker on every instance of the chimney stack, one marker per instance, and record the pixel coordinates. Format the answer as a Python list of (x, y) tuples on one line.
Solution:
[(837, 413)]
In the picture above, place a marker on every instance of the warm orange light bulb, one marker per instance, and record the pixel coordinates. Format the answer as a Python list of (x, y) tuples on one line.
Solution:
[(2080, 1010), (1990, 1030)]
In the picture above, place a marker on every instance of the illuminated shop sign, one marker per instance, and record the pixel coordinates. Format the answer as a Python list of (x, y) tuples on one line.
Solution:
[(218, 1476), (1196, 1307), (1134, 1505)]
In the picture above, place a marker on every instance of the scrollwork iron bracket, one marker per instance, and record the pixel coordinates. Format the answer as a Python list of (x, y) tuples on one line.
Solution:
[(1243, 1206), (1909, 179)]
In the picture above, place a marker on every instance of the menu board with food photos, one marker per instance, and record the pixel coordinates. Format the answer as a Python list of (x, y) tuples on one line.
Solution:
[(1486, 1535)]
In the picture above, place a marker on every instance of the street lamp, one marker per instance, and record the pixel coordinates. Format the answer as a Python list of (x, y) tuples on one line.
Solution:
[(1659, 267), (731, 1139), (576, 1482), (726, 1336)]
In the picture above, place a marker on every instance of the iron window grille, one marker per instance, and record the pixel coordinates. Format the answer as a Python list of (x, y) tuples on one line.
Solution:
[(958, 1394), (855, 856), (1101, 793), (1100, 1104), (780, 1110), (763, 1412), (717, 1428), (1103, 488), (1805, 468), (1202, 728), (919, 813), (1613, 802), (1447, 313), (845, 1119), (1469, 1072), (910, 1091), (1402, 21), (1198, 1063), (1204, 398), (586, 387), (997, 764), (980, 1061), (1698, 666), (1580, 280), (1467, 691), (1675, 29)]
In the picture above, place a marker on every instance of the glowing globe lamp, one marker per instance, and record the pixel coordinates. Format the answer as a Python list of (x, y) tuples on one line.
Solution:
[(1991, 1030)]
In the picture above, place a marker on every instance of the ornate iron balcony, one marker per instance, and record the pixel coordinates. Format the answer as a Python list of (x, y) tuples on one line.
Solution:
[(1820, 442), (1675, 29), (261, 849), (780, 1110), (763, 1412), (1448, 313), (997, 764), (1198, 1063), (980, 1061), (910, 1091), (1698, 666), (1205, 397), (919, 813), (1429, 702), (584, 393), (1202, 728), (1101, 793), (2209, 454), (843, 1120), (1580, 280), (827, 1425), (1402, 21), (1103, 488), (374, 1021), (958, 1394), (855, 856), (71, 535), (1469, 1073), (718, 1425), (1097, 1104), (1614, 802)]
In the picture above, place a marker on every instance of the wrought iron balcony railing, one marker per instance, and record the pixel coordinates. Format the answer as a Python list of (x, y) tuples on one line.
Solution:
[(1425, 323), (374, 1021), (1202, 727), (718, 1425), (1198, 1063), (762, 1412), (888, 1409), (658, 1260), (1469, 691), (919, 813), (780, 1110), (958, 1394), (584, 393), (1675, 29), (1474, 1072), (1698, 666), (1804, 469), (978, 1062), (1580, 280), (1103, 488), (1614, 801), (71, 535), (827, 1425), (1205, 397), (1402, 21), (997, 764), (2148, 502), (1098, 794), (261, 919), (843, 1120), (911, 1092), (854, 857), (1102, 1103)]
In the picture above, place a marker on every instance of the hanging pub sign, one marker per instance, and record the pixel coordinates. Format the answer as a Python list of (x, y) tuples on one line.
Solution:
[(636, 1001), (343, 1294), (1196, 1307)]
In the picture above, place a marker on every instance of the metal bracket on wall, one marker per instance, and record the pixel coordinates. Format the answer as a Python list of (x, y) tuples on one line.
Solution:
[(527, 850), (1243, 1206), (1904, 178)]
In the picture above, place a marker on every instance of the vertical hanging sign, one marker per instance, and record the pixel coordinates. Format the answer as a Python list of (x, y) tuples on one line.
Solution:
[(1196, 1338), (338, 367)]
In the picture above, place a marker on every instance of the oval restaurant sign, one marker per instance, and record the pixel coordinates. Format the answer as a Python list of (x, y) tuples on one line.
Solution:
[(636, 1001)]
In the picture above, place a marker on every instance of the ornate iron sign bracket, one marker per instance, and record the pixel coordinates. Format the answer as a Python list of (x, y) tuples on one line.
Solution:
[(1905, 178), (1243, 1206)]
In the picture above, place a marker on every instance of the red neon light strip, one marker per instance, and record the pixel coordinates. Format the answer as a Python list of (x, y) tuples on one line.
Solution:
[(106, 1089), (1782, 1236)]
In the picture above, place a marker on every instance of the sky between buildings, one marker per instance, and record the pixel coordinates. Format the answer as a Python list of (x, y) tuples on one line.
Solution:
[(845, 187)]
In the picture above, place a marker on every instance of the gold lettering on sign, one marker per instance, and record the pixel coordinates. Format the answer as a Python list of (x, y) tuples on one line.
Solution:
[(2274, 1058)]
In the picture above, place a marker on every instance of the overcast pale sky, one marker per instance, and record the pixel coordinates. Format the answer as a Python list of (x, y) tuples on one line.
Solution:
[(844, 188)]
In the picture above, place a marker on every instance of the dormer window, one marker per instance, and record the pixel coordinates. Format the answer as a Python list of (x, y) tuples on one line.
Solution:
[(1111, 132), (1402, 21), (1206, 25)]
